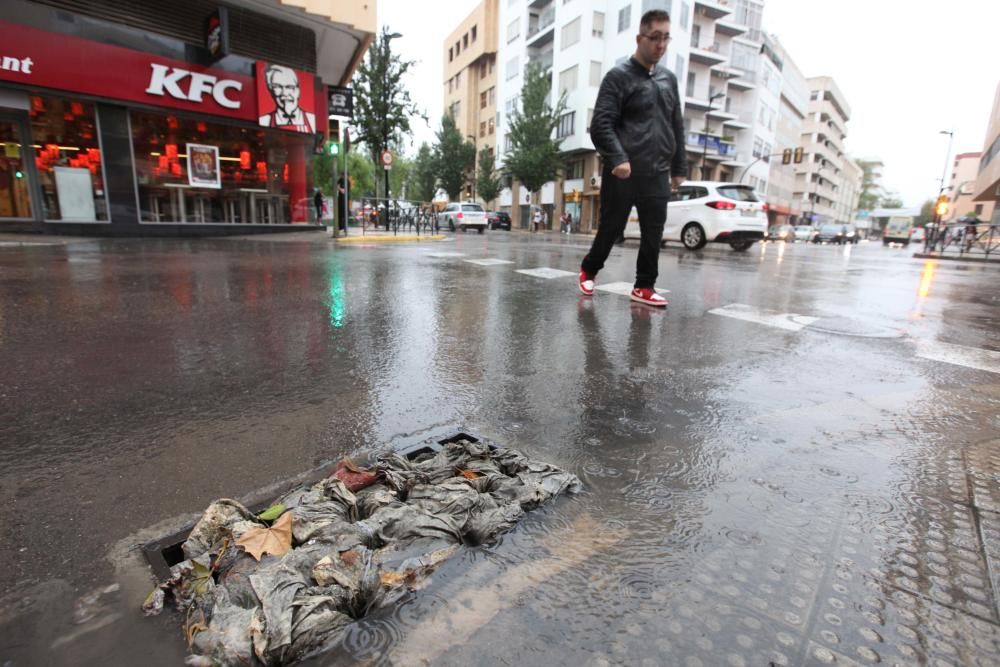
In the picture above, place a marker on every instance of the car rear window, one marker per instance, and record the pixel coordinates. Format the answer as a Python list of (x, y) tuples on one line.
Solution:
[(472, 207), (738, 192), (831, 229)]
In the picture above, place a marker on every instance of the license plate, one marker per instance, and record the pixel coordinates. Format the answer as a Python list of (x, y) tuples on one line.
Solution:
[(749, 212)]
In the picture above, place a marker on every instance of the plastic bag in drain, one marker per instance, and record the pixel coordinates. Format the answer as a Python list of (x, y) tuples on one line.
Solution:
[(350, 553)]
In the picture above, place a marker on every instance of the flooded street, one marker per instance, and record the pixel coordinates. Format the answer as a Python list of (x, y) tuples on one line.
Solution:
[(796, 463)]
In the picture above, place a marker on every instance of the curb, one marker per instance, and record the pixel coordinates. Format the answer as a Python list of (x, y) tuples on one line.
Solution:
[(389, 239)]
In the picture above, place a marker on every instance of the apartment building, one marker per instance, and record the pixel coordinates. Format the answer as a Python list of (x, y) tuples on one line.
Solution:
[(961, 189), (819, 179), (987, 186), (793, 105), (846, 206), (470, 79)]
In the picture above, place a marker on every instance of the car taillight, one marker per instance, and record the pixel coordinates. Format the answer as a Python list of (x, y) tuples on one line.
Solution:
[(764, 208), (721, 205), (459, 216)]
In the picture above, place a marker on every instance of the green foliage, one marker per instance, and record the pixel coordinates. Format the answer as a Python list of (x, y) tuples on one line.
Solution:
[(322, 169), (871, 189), (362, 174), (453, 156), (534, 156), (272, 512), (383, 108), (891, 200), (423, 177), (926, 213), (487, 180), (402, 168)]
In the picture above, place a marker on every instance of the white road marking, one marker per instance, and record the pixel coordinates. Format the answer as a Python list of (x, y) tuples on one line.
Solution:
[(445, 254), (959, 355), (623, 288), (487, 262), (545, 272), (786, 321)]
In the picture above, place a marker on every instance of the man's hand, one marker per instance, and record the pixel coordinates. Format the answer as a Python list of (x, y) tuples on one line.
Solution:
[(623, 171), (676, 181)]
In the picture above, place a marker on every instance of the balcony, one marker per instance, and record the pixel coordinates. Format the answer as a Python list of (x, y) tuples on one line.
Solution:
[(729, 29), (698, 141), (538, 4), (541, 30), (543, 59), (713, 10), (737, 160), (710, 54)]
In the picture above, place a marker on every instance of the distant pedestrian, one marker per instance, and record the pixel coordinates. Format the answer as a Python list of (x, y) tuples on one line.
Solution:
[(318, 203), (638, 129), (536, 220), (565, 222)]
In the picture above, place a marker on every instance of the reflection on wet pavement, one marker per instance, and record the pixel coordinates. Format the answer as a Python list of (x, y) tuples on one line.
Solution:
[(756, 494)]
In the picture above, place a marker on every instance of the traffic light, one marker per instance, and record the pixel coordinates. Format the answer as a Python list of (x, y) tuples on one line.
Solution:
[(18, 174), (333, 148), (786, 156), (941, 207), (798, 155)]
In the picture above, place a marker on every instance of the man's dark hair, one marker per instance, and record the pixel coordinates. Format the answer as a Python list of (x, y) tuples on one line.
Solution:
[(653, 16)]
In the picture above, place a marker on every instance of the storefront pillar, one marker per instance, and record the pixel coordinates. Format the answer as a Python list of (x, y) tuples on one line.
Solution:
[(116, 140)]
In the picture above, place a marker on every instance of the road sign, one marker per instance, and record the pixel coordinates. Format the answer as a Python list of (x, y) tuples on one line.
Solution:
[(387, 159)]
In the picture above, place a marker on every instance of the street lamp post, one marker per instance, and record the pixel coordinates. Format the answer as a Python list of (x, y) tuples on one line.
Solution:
[(704, 152), (386, 38), (475, 151), (938, 221)]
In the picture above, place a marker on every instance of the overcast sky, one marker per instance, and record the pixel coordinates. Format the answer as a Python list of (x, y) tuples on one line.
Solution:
[(907, 72)]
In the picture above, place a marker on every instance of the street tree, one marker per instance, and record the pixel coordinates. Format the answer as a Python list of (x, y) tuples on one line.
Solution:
[(423, 177), (871, 188), (487, 180), (361, 171), (399, 175), (534, 156), (453, 156), (891, 200), (383, 107), (926, 213)]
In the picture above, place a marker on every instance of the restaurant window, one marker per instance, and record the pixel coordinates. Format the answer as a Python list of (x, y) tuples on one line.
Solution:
[(68, 159), (247, 176)]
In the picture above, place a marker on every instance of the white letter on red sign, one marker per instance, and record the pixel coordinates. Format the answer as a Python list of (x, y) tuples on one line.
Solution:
[(200, 84), (160, 81), (219, 93)]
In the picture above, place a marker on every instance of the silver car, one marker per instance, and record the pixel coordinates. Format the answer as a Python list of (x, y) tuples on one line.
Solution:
[(463, 215)]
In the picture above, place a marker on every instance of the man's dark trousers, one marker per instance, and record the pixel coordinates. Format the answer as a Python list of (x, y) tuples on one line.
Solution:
[(649, 194)]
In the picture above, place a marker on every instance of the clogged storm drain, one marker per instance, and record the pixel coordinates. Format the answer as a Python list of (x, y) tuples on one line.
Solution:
[(274, 588)]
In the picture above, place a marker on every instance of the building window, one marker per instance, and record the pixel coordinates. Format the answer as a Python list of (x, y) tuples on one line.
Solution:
[(473, 33), (567, 80), (490, 126), (458, 48), (492, 95), (263, 175), (624, 18), (692, 80), (482, 71), (685, 14), (597, 30), (590, 118), (69, 163), (482, 100), (595, 73), (465, 41), (679, 68), (513, 30), (565, 128), (451, 54), (570, 33), (512, 68), (482, 128), (508, 145), (490, 64), (458, 79), (573, 169)]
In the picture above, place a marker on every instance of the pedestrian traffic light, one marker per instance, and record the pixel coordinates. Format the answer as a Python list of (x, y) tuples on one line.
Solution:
[(18, 174), (334, 148), (786, 156), (798, 155)]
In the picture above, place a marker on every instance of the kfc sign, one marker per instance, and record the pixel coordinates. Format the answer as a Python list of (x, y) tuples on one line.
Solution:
[(193, 86)]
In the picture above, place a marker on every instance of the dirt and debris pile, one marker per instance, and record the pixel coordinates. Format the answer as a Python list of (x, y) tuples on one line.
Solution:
[(273, 588)]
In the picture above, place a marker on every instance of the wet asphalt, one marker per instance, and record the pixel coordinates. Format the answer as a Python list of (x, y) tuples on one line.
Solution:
[(796, 462)]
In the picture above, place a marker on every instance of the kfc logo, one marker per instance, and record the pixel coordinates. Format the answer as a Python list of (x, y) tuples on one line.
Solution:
[(285, 98), (168, 81)]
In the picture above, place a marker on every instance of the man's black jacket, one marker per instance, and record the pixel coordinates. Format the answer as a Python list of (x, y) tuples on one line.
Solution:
[(637, 118)]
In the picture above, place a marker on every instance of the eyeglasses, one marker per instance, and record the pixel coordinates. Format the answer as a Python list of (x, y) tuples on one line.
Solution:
[(657, 37)]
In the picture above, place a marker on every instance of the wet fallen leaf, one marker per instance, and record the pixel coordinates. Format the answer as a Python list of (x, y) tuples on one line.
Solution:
[(349, 557), (275, 540), (353, 477), (201, 578), (470, 474), (393, 578), (272, 512), (349, 465), (194, 626)]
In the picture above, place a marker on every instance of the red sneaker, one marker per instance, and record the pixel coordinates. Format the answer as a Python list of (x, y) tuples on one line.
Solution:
[(647, 296), (586, 283)]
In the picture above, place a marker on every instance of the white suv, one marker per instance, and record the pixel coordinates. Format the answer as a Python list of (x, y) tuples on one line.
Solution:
[(463, 215), (701, 212)]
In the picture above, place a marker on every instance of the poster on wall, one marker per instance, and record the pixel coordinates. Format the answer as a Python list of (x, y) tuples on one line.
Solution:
[(203, 166), (75, 188), (286, 98)]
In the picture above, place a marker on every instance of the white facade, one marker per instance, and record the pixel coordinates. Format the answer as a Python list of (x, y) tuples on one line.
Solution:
[(821, 176), (792, 110)]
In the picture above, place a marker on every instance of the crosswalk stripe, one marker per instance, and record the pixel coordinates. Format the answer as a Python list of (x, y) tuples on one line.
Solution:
[(623, 288), (786, 321), (445, 255), (488, 261), (959, 355), (546, 272)]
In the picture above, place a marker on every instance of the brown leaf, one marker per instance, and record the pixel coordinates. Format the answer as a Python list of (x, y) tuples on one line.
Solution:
[(275, 540), (470, 474), (353, 477), (194, 626)]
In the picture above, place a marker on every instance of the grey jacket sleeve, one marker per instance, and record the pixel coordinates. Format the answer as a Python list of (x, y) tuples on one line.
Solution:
[(678, 166), (607, 117)]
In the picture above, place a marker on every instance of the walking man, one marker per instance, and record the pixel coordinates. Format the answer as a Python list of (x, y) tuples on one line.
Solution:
[(639, 131)]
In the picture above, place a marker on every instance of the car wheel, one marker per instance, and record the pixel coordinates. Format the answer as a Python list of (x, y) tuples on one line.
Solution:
[(451, 225), (693, 236), (482, 229), (740, 246), (463, 229)]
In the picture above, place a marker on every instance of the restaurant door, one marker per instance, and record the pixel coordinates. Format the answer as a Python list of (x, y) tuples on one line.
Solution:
[(17, 198)]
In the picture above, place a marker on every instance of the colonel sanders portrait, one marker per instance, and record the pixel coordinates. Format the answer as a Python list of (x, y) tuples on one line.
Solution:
[(283, 84)]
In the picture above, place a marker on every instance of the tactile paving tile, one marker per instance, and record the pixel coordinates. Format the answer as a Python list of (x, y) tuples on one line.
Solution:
[(989, 526), (982, 462)]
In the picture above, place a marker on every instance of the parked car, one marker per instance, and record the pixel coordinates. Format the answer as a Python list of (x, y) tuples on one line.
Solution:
[(701, 212), (831, 233), (851, 234), (805, 233), (781, 233), (463, 215), (918, 235), (498, 220)]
